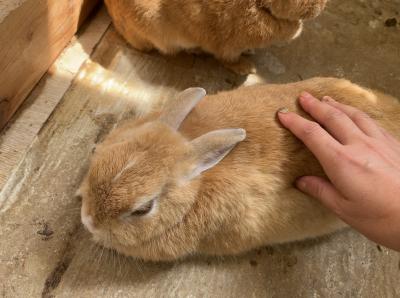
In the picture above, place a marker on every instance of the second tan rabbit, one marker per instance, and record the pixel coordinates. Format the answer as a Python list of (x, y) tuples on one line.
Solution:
[(219, 182), (223, 28)]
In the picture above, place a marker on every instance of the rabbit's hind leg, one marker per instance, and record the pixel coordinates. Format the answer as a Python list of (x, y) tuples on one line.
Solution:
[(236, 62), (139, 43)]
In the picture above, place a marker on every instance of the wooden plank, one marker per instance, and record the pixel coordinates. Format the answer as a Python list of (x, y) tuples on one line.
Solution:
[(26, 123), (96, 100), (32, 35)]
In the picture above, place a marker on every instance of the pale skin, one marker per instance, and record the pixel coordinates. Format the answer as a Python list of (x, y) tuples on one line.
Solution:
[(362, 161)]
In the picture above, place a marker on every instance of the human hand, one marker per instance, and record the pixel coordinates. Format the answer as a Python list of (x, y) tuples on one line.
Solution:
[(362, 162)]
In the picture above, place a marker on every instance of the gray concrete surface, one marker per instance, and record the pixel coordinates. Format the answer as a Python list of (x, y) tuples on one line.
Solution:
[(44, 250)]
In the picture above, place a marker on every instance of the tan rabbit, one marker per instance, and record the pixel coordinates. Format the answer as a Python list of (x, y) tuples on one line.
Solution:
[(220, 181), (223, 28)]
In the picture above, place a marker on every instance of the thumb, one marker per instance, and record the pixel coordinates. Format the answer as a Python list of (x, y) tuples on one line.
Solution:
[(322, 190)]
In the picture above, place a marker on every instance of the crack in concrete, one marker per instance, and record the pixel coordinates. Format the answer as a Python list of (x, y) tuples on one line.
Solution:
[(54, 278)]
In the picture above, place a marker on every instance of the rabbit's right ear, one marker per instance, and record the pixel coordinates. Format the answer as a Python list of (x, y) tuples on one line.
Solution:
[(174, 114), (212, 147)]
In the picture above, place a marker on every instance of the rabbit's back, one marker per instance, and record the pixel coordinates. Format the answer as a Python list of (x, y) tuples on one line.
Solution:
[(254, 183), (220, 27), (254, 109)]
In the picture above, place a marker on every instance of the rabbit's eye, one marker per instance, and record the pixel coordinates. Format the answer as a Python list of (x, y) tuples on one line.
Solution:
[(143, 210), (78, 198)]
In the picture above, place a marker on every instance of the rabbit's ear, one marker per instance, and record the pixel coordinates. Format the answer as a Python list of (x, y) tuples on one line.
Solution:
[(174, 114), (212, 147)]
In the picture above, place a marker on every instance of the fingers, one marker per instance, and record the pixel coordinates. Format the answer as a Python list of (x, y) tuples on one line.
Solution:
[(334, 120), (361, 119), (322, 190), (394, 142), (318, 140)]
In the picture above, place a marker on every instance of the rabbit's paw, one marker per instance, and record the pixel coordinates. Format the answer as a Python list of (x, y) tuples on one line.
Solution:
[(243, 66), (295, 9)]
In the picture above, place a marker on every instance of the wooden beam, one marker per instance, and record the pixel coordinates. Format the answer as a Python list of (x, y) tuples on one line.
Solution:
[(32, 35), (43, 99)]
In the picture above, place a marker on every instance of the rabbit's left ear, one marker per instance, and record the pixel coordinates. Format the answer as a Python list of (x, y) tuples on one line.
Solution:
[(211, 148), (174, 114)]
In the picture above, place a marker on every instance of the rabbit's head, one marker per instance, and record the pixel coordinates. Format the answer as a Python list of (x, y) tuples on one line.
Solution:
[(144, 183)]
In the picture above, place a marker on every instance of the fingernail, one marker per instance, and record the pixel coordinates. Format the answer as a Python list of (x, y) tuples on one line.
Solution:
[(300, 183), (328, 99), (283, 110)]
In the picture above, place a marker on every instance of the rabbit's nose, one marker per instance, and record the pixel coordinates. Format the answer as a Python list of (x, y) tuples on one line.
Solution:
[(87, 221)]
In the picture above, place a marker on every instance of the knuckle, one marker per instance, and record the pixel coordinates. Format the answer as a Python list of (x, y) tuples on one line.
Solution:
[(348, 156), (338, 208), (332, 116), (349, 160), (343, 156), (319, 190), (371, 144), (359, 116), (310, 129)]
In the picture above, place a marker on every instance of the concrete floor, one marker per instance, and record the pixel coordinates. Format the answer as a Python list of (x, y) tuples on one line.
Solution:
[(44, 250)]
